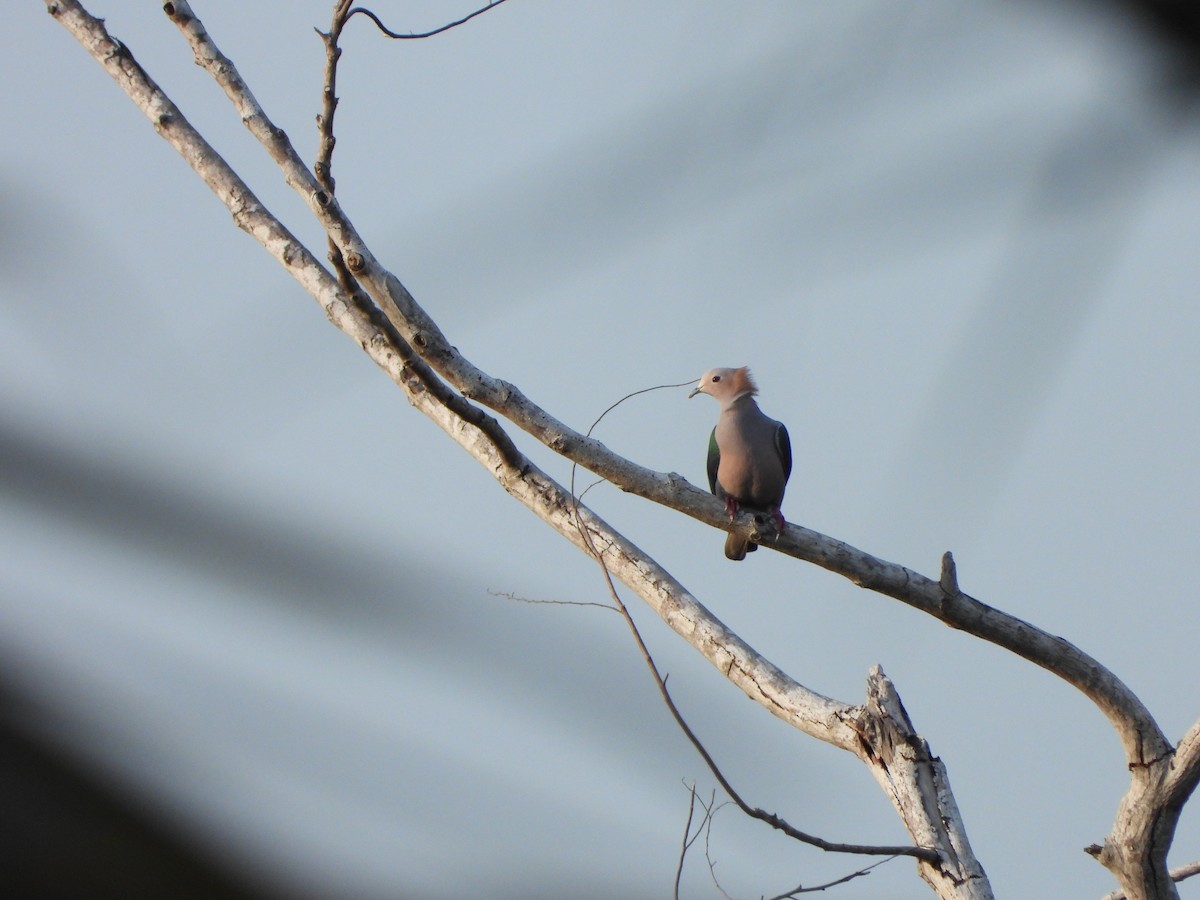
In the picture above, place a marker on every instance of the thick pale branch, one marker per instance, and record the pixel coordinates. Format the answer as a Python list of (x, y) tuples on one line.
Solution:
[(925, 854), (1137, 729), (413, 350), (1135, 851), (1184, 773), (480, 435), (1178, 874), (917, 784), (813, 713), (171, 125)]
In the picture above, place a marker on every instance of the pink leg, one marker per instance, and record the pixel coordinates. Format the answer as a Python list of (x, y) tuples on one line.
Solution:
[(777, 515), (731, 506)]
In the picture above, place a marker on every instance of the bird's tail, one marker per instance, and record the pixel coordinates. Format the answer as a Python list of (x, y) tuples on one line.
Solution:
[(737, 546)]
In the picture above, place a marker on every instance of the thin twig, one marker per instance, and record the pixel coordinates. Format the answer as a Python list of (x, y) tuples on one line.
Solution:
[(709, 808), (801, 889), (754, 812), (592, 427), (413, 37), (1183, 872), (329, 97), (575, 465), (657, 387), (710, 818), (508, 595), (687, 840)]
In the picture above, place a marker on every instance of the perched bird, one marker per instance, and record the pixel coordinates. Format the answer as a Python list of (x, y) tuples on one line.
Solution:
[(749, 454)]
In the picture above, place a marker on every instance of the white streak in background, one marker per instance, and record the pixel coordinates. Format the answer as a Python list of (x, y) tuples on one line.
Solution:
[(1075, 216)]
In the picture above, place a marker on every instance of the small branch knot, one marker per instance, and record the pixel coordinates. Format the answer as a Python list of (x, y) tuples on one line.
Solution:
[(355, 261), (175, 13), (949, 579)]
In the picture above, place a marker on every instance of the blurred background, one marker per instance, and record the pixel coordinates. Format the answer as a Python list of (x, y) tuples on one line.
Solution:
[(251, 637)]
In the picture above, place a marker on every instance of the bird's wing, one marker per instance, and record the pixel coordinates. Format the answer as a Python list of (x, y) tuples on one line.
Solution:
[(714, 460), (783, 445)]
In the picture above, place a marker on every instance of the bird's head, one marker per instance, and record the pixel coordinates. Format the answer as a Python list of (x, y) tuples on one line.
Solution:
[(725, 385)]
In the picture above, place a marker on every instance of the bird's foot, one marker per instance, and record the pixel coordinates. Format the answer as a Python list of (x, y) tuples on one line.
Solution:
[(731, 507), (769, 525)]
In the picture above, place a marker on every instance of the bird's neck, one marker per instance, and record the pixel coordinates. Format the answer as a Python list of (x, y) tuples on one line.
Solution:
[(743, 400)]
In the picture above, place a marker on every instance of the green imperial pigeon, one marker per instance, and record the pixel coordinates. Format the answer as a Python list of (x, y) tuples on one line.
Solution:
[(749, 454)]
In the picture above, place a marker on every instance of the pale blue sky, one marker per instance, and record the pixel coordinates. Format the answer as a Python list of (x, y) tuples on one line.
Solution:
[(957, 244)]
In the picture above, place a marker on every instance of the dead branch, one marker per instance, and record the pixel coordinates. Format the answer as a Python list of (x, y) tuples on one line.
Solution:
[(801, 889), (1139, 733), (396, 36), (407, 343)]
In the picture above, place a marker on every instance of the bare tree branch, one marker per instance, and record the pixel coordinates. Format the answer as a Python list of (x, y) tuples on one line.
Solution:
[(816, 888), (710, 816), (1139, 733), (469, 426), (1184, 771), (688, 837), (508, 595), (1136, 848), (677, 606), (1178, 874), (756, 813), (323, 167), (412, 37), (925, 853), (917, 783), (705, 828), (478, 433), (409, 346), (1145, 745)]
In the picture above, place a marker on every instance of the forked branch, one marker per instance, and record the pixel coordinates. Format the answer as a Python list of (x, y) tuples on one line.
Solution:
[(1139, 733), (402, 338), (473, 429)]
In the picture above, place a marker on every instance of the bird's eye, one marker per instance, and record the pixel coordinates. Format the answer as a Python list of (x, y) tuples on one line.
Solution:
[(716, 378)]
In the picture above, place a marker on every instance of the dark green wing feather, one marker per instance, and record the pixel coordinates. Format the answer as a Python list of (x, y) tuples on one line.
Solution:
[(783, 444), (714, 460)]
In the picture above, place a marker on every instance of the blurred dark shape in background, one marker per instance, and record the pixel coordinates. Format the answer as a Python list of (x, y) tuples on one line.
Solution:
[(1174, 26), (66, 833), (1177, 22)]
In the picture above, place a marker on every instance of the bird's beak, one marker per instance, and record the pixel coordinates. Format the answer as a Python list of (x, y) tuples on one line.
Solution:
[(694, 392)]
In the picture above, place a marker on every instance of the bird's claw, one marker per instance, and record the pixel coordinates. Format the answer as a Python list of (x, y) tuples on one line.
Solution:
[(731, 507)]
